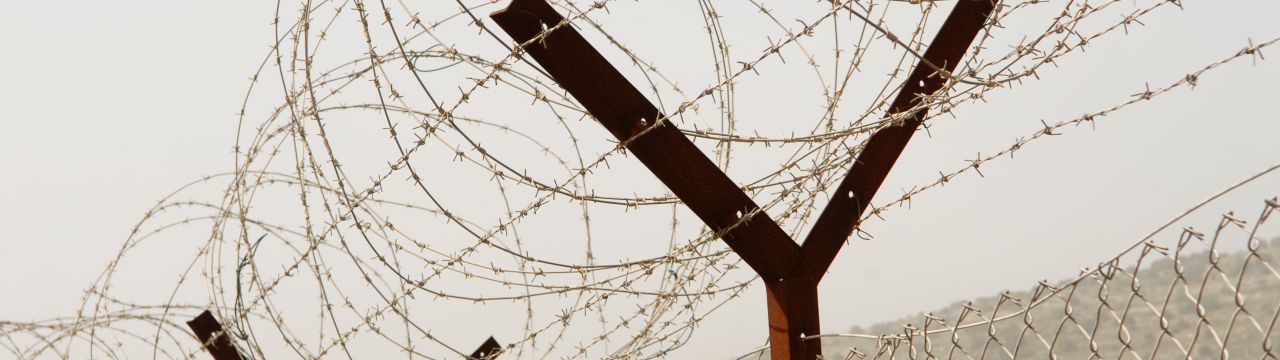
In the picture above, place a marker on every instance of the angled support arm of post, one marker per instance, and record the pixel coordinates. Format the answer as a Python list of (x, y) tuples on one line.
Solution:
[(215, 340), (619, 106), (853, 196)]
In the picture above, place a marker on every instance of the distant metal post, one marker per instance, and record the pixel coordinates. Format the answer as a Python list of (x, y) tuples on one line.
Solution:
[(489, 350), (791, 272), (215, 341)]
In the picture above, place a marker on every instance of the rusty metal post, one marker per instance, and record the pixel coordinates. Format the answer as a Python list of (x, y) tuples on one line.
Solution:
[(489, 350), (215, 341), (790, 272), (793, 314)]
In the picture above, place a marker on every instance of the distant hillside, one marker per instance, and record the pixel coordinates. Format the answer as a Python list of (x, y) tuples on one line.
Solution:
[(1068, 336)]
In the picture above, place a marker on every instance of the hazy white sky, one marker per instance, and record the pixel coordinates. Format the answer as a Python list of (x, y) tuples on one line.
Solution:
[(107, 106)]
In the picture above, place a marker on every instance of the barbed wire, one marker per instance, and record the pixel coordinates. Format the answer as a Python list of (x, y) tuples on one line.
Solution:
[(1143, 308), (301, 257)]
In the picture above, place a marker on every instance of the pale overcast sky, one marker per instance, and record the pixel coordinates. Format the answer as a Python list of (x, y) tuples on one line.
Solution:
[(108, 106)]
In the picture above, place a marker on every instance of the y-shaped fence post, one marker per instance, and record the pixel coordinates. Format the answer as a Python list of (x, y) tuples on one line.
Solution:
[(790, 271)]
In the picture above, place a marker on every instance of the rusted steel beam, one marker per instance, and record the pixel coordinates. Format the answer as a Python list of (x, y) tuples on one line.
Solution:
[(620, 107), (793, 314), (853, 196), (489, 350), (215, 341)]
